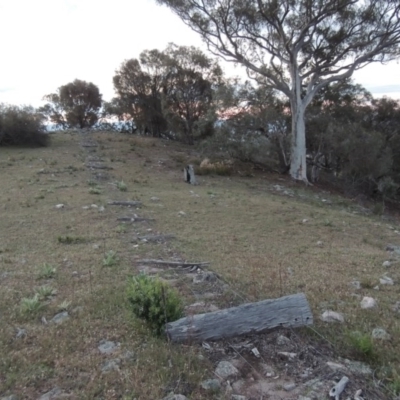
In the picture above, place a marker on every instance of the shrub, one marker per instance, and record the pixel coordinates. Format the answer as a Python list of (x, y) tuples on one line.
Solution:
[(21, 126), (154, 301), (47, 271), (362, 343), (110, 259), (31, 306)]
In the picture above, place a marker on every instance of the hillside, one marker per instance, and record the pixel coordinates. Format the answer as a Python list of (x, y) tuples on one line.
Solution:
[(264, 236)]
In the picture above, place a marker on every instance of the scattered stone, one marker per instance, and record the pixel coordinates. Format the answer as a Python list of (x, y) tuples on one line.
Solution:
[(256, 352), (319, 243), (11, 397), (385, 280), (356, 285), (380, 334), (60, 318), (52, 394), (396, 307), (386, 264), (94, 206), (282, 340), (336, 366), (85, 207), (75, 273), (21, 332), (291, 356), (358, 367), (181, 213), (332, 316), (305, 220), (101, 209), (175, 397), (128, 355), (154, 198), (368, 302), (205, 277), (111, 365), (268, 370), (376, 287), (58, 206), (238, 397), (225, 369), (289, 387), (108, 347), (77, 310), (211, 384), (393, 249)]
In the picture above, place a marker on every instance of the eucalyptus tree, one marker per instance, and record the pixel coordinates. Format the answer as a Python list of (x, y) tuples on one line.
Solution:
[(296, 46)]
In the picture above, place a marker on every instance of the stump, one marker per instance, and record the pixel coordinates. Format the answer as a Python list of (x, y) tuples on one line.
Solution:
[(188, 174), (289, 311)]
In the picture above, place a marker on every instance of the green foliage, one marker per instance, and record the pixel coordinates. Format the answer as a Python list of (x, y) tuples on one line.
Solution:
[(44, 292), (21, 126), (121, 185), (362, 343), (31, 306), (75, 104), (154, 301), (110, 259), (71, 239), (46, 271), (94, 190)]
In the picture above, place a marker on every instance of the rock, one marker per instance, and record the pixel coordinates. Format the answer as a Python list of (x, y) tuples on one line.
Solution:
[(21, 332), (108, 347), (58, 206), (52, 394), (356, 284), (289, 386), (175, 397), (386, 264), (358, 367), (111, 365), (238, 385), (238, 397), (154, 198), (10, 397), (211, 384), (305, 220), (385, 280), (205, 277), (268, 370), (393, 249), (60, 318), (332, 316), (225, 369), (319, 243), (101, 209), (282, 340), (336, 366), (290, 356), (396, 307), (380, 334), (368, 302), (181, 213)]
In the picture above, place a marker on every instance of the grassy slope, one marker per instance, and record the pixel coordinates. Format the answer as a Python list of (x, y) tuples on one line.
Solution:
[(254, 237)]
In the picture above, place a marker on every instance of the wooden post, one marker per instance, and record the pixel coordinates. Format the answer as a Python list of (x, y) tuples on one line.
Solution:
[(289, 311), (188, 174)]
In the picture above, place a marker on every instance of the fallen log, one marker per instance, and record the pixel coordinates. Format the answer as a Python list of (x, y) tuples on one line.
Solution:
[(289, 311), (173, 263), (125, 203)]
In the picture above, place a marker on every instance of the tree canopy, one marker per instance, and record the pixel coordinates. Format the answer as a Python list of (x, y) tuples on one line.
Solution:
[(75, 104), (296, 46), (170, 90)]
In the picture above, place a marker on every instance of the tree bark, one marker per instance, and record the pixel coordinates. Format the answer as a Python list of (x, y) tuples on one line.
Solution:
[(288, 311)]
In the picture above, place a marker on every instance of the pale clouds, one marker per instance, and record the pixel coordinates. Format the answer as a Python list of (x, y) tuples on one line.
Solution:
[(48, 43)]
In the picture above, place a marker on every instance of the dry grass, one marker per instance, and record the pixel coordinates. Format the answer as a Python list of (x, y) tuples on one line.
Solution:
[(254, 237)]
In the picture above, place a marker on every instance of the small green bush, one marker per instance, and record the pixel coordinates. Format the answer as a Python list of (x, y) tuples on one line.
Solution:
[(110, 259), (22, 126), (154, 301), (31, 306), (362, 343), (47, 271)]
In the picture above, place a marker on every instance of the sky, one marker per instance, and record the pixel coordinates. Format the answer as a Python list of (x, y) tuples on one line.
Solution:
[(49, 43)]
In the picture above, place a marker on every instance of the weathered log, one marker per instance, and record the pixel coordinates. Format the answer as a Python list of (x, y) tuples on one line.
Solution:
[(173, 263), (134, 219), (125, 203), (155, 238), (289, 311)]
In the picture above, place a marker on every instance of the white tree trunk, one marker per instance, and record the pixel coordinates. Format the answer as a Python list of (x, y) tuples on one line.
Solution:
[(298, 162)]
